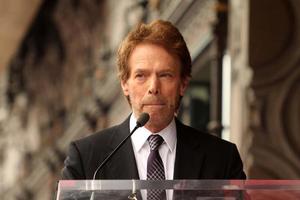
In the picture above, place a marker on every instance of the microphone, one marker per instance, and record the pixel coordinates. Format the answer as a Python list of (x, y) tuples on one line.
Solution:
[(141, 121)]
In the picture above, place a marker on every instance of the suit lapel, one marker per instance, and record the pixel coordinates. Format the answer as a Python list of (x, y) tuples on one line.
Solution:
[(189, 156), (188, 162), (123, 164)]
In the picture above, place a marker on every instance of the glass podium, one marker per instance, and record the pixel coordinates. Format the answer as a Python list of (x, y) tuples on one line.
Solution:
[(180, 189)]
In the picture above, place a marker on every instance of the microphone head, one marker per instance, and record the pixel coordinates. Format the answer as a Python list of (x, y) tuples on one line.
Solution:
[(142, 120)]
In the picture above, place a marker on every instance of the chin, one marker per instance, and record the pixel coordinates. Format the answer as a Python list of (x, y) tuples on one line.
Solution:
[(159, 120)]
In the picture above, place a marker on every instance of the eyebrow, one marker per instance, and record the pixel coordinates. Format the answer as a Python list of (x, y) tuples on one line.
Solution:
[(139, 70), (167, 70), (160, 71)]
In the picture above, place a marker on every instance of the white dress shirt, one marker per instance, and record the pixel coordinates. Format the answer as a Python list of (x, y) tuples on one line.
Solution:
[(167, 150)]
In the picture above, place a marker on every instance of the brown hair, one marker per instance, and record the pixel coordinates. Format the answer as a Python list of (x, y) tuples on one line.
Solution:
[(158, 32)]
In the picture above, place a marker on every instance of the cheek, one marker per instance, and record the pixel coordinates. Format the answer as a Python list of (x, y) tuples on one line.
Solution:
[(173, 95), (136, 95)]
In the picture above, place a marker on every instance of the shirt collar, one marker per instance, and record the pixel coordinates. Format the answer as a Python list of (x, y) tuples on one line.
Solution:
[(140, 136)]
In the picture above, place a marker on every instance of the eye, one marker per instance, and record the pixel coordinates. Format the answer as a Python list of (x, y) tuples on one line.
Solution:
[(139, 75), (166, 75)]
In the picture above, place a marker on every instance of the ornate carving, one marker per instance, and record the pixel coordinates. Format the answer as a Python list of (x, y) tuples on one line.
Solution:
[(274, 150), (274, 39)]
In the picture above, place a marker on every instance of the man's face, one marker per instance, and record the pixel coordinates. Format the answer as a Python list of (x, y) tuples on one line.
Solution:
[(154, 84)]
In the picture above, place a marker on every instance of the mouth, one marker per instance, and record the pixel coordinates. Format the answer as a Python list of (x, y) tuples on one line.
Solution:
[(154, 105)]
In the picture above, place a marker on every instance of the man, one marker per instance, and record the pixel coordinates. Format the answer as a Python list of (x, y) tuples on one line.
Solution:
[(154, 69)]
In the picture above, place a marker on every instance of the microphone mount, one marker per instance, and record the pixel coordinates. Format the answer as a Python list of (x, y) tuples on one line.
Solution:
[(141, 121)]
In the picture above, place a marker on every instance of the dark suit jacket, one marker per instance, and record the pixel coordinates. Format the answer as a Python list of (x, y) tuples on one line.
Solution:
[(198, 156)]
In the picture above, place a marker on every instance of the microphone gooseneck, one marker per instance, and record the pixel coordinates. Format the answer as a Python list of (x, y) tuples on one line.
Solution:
[(141, 121)]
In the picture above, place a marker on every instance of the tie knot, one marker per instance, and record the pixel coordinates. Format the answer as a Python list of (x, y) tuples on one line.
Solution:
[(155, 141)]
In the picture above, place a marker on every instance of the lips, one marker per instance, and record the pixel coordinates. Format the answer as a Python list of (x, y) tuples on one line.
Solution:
[(154, 102), (154, 105)]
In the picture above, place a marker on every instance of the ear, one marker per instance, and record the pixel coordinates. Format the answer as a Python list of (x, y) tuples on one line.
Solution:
[(183, 85), (125, 89)]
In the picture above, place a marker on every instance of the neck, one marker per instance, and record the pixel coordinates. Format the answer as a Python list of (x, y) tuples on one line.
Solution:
[(155, 127)]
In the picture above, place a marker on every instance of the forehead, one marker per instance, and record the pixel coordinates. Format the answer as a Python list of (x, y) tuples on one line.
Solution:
[(152, 54)]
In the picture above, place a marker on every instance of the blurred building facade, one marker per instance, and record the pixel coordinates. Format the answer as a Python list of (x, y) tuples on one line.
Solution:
[(58, 80)]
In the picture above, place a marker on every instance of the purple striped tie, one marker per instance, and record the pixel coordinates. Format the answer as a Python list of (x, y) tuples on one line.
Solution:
[(155, 167)]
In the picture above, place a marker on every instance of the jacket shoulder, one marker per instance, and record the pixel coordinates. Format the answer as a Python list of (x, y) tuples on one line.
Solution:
[(204, 138), (222, 159), (84, 155)]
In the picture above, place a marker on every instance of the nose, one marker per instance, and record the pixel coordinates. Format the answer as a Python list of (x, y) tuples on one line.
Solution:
[(154, 86)]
